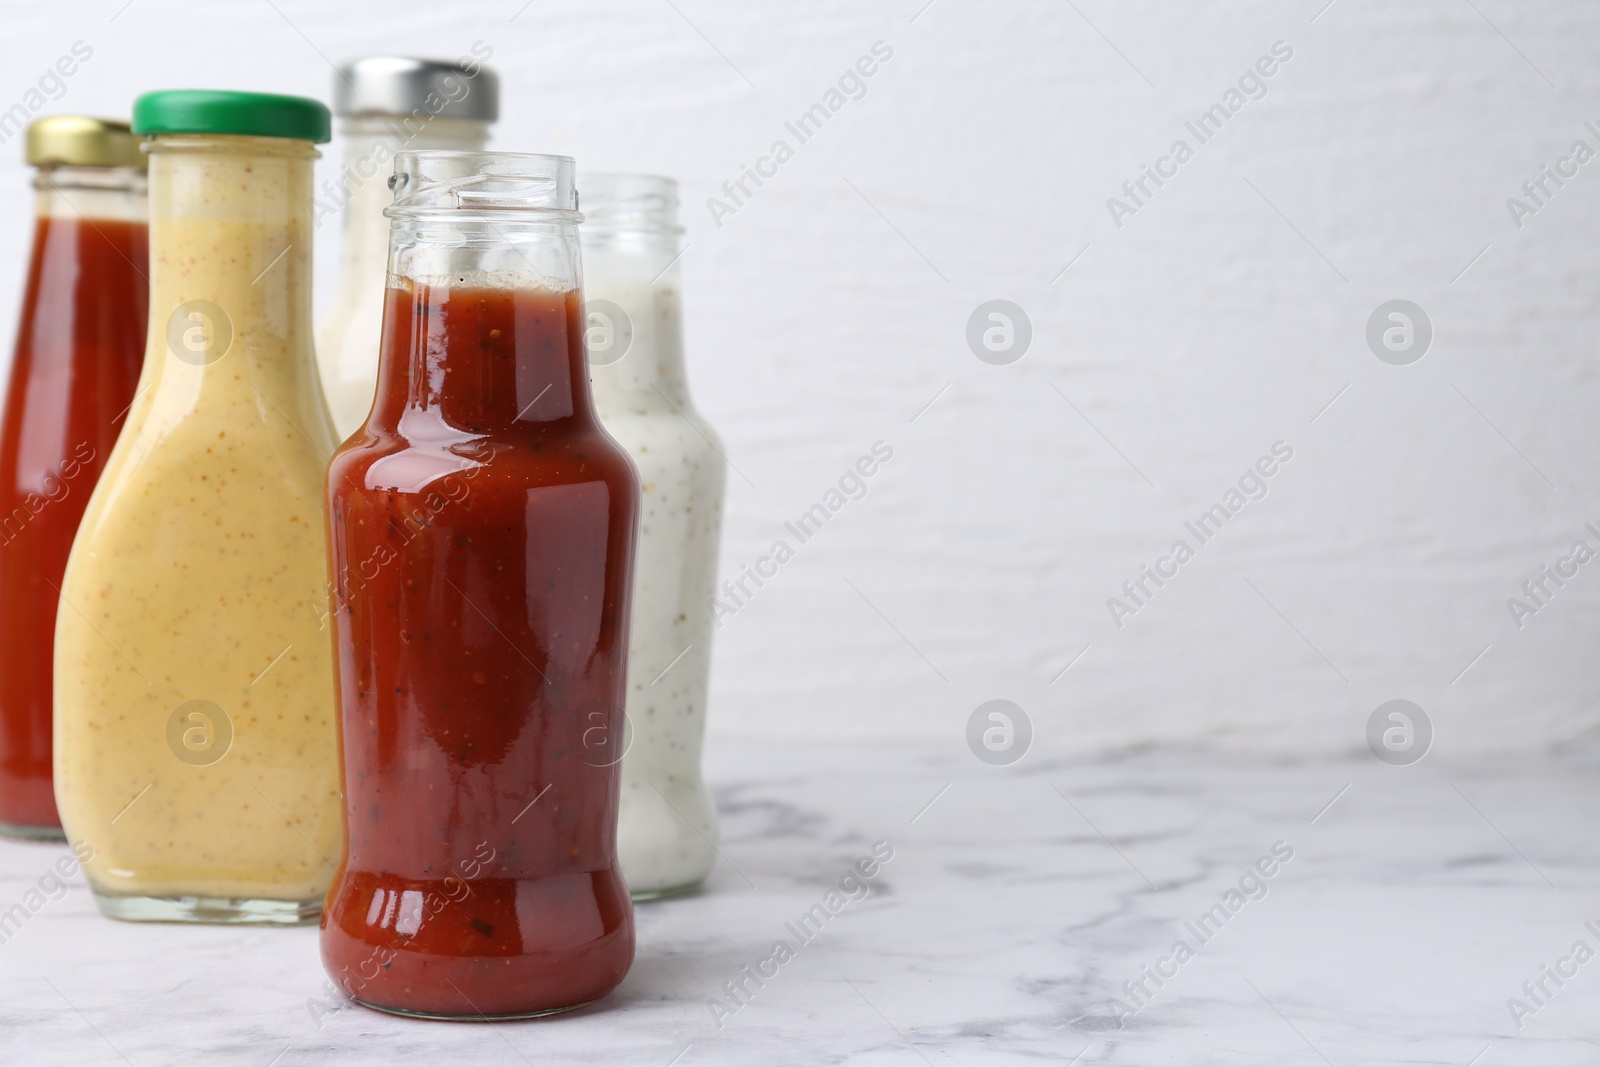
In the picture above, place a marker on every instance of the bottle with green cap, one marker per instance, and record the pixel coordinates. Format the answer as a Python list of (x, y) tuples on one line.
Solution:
[(79, 345), (195, 761)]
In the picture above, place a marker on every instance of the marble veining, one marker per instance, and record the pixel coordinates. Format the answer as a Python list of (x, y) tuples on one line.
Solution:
[(1018, 920)]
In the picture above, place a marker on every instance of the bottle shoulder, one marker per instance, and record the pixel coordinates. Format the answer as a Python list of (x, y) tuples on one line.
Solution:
[(660, 446), (384, 461), (643, 415)]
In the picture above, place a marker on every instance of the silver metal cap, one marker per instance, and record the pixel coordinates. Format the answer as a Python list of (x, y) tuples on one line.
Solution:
[(401, 85)]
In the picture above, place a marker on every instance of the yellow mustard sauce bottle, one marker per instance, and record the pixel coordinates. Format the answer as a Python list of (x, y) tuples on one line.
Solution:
[(196, 766)]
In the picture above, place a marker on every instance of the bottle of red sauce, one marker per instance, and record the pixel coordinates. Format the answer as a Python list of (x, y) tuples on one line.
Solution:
[(80, 345), (482, 530)]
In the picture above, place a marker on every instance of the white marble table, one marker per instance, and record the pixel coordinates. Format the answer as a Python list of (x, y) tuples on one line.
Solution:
[(1013, 911)]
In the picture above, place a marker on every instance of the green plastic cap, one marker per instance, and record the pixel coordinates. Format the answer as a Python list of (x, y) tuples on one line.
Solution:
[(243, 114)]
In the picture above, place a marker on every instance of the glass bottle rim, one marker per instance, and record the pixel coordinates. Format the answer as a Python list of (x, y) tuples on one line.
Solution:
[(441, 184), (629, 203)]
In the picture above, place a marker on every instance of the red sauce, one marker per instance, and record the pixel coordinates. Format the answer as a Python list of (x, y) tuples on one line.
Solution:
[(79, 349), (482, 540)]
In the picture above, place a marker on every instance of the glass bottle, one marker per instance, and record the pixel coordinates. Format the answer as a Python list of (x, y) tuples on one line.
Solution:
[(195, 749), (386, 104), (482, 540), (668, 823), (79, 346)]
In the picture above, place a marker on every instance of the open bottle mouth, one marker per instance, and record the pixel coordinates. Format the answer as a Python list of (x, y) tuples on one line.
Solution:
[(437, 183), (630, 203)]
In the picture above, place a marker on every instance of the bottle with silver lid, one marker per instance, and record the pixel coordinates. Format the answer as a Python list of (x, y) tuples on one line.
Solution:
[(385, 104)]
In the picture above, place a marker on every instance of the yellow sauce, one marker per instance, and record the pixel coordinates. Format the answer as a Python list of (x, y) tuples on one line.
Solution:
[(199, 571)]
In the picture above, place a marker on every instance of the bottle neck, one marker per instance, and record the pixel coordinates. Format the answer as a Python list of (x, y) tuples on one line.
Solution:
[(634, 302), (90, 254), (83, 317), (483, 314), (631, 287), (90, 193), (481, 360), (230, 271)]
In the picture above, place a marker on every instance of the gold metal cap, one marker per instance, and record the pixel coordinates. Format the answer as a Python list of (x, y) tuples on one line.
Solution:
[(80, 141)]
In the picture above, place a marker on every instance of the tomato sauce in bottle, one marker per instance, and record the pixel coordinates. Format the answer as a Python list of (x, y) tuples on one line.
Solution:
[(482, 541), (79, 348)]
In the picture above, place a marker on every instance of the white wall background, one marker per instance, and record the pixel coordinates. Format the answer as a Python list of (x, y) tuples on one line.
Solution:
[(1213, 323)]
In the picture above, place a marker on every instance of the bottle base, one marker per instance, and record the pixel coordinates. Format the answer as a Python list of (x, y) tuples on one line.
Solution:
[(642, 896), (32, 833), (476, 1017), (195, 909)]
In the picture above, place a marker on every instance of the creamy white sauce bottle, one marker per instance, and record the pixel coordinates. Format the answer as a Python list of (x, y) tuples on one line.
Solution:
[(385, 104), (668, 826)]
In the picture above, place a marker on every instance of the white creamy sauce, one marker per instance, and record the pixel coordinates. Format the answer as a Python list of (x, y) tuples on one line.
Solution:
[(668, 822)]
